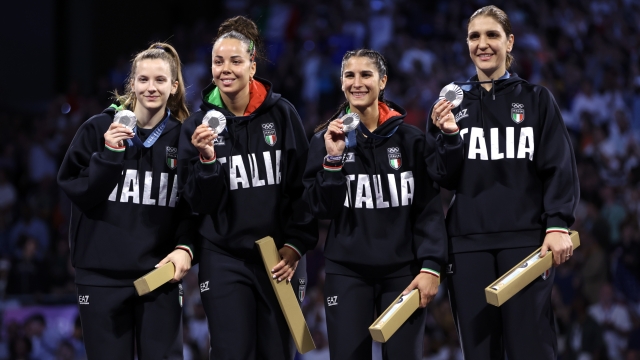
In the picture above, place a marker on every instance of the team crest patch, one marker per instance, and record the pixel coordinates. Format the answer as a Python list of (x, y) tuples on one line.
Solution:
[(395, 158), (517, 113), (269, 131), (302, 285), (172, 157)]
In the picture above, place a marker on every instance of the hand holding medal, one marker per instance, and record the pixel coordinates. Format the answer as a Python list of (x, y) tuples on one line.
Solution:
[(450, 97), (121, 129)]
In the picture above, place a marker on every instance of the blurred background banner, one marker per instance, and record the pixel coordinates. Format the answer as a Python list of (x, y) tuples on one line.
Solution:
[(62, 59)]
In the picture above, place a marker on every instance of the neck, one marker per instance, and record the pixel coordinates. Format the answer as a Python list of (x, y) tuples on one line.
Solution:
[(482, 76), (237, 103), (369, 116), (148, 118)]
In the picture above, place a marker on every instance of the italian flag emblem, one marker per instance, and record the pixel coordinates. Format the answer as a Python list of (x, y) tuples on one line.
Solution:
[(269, 131), (172, 157), (395, 157), (270, 139), (517, 113)]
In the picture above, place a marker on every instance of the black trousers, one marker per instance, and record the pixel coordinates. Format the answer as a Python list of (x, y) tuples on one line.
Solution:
[(243, 313), (351, 304), (116, 322), (523, 327)]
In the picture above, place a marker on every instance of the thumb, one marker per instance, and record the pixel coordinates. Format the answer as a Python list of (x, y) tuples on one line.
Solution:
[(410, 287)]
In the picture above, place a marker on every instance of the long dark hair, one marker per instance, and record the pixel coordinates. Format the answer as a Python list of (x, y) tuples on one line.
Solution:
[(381, 65)]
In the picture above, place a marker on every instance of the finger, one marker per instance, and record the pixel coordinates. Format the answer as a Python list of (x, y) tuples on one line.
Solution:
[(162, 262), (409, 288), (283, 273), (424, 299)]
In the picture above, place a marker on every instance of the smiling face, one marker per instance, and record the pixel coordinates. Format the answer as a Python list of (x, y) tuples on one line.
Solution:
[(231, 66), (361, 82), (152, 84), (488, 47)]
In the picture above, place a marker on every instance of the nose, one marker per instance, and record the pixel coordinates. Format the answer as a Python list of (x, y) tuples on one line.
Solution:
[(225, 67), (152, 86), (482, 43), (357, 81)]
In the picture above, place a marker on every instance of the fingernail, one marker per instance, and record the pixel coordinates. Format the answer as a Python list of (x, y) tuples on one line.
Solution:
[(279, 279), (273, 270), (274, 276), (156, 265)]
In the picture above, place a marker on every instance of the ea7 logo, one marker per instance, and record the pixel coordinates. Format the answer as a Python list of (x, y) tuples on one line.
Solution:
[(332, 300), (83, 299), (461, 115), (204, 286)]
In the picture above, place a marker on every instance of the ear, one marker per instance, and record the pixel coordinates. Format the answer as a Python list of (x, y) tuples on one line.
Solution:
[(174, 87), (253, 68), (383, 82), (510, 42)]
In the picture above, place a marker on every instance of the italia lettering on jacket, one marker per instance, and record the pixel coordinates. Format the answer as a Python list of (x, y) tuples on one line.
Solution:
[(131, 189), (478, 145), (239, 172), (369, 187)]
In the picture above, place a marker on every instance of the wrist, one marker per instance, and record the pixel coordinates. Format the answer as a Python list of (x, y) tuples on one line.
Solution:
[(187, 249), (208, 160), (114, 148), (333, 162), (450, 131)]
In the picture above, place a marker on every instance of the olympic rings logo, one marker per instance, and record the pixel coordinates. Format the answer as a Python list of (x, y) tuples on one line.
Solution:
[(393, 150), (517, 106), (268, 126)]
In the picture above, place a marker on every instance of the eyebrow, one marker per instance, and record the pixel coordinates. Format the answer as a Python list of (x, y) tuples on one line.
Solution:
[(232, 56)]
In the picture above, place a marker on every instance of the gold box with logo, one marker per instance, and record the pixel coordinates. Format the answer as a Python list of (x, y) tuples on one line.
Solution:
[(521, 275)]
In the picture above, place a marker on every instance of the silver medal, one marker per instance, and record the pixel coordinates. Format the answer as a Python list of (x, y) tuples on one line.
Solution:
[(452, 93), (350, 122), (126, 118), (215, 120)]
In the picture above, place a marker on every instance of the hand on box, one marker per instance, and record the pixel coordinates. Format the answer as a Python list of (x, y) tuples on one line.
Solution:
[(287, 266), (427, 285), (181, 260), (560, 246)]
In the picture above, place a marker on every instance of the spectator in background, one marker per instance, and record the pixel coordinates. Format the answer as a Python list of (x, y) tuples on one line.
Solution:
[(584, 339), (28, 274), (32, 226), (615, 320)]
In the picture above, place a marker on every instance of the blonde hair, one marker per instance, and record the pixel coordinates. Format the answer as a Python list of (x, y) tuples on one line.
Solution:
[(176, 103)]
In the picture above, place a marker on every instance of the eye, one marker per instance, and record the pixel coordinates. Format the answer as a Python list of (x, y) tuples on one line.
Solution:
[(236, 62), (493, 34), (217, 62), (473, 36)]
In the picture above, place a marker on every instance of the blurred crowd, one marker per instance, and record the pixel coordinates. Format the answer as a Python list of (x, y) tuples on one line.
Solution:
[(585, 51)]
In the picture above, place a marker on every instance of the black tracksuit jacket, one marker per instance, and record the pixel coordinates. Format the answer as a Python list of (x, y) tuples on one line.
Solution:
[(254, 188), (512, 167), (126, 215), (386, 213)]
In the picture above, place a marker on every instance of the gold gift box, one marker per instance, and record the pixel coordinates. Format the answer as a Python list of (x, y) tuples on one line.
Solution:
[(155, 279), (522, 275), (394, 316), (286, 298)]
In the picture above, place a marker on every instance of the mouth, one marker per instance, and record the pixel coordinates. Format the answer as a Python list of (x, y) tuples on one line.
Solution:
[(226, 81), (359, 94), (152, 97), (484, 57)]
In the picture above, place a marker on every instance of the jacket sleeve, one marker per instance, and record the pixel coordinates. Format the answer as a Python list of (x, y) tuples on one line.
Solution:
[(325, 190), (90, 171), (429, 231), (556, 165), (203, 185), (300, 227), (187, 231), (444, 155)]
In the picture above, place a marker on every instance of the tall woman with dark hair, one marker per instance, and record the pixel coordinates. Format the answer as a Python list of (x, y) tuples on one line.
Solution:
[(387, 232), (126, 217), (506, 153), (246, 183)]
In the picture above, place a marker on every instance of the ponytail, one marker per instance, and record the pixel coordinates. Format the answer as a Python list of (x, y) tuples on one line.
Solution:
[(177, 102)]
